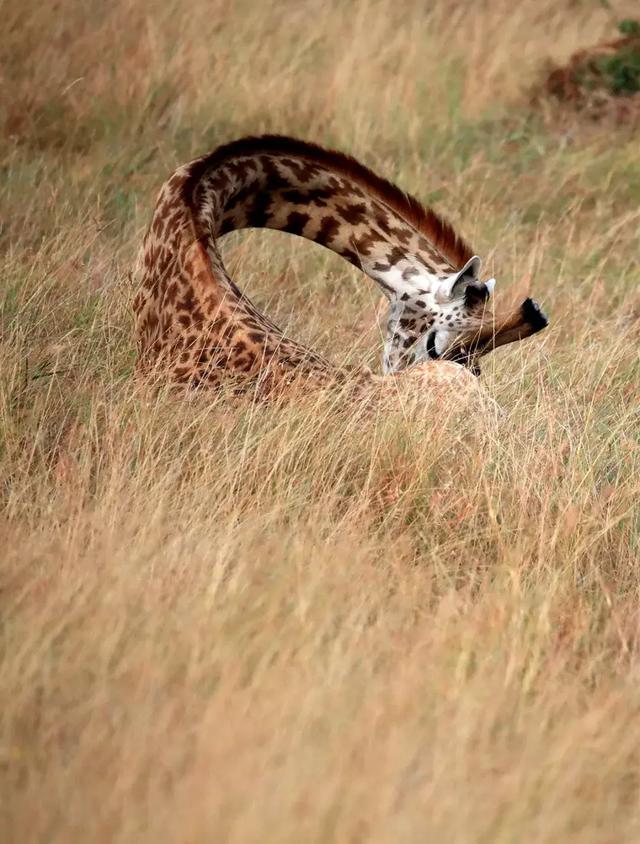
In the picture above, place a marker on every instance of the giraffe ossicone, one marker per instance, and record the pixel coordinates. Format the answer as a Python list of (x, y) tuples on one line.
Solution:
[(196, 326)]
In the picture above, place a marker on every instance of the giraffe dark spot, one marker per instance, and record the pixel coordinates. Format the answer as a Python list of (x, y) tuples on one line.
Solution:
[(180, 342), (401, 234), (238, 168), (319, 196), (171, 293), (421, 303), (381, 219), (352, 257), (409, 272), (364, 244), (296, 222), (188, 300), (258, 211), (227, 332), (297, 197), (396, 255), (303, 170), (274, 179), (329, 228), (228, 224), (197, 316), (242, 363), (407, 323), (308, 171), (219, 180), (242, 195), (405, 297), (354, 213)]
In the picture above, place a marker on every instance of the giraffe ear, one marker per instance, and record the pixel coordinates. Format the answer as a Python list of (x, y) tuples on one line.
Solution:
[(469, 274)]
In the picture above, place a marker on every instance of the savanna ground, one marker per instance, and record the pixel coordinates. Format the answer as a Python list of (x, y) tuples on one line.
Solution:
[(306, 623)]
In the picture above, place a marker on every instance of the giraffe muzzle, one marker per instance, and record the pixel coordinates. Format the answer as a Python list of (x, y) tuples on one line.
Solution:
[(522, 322)]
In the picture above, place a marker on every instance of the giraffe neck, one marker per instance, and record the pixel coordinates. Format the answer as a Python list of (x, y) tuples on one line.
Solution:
[(330, 199)]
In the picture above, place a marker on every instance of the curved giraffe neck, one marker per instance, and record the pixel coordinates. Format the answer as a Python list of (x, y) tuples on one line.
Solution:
[(326, 197)]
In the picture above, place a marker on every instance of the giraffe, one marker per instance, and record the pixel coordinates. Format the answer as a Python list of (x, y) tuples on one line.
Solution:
[(196, 326)]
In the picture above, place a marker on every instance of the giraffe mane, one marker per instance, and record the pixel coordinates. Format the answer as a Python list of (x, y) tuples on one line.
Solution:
[(425, 220)]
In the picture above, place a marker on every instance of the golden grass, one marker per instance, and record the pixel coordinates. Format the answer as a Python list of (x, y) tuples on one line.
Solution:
[(226, 622)]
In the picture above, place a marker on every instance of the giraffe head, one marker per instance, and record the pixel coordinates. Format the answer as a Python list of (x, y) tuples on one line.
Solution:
[(448, 317)]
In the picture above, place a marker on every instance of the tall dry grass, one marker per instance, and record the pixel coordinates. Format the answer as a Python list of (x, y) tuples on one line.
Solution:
[(227, 622)]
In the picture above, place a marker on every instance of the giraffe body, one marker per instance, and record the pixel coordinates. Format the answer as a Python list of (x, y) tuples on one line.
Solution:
[(196, 326)]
